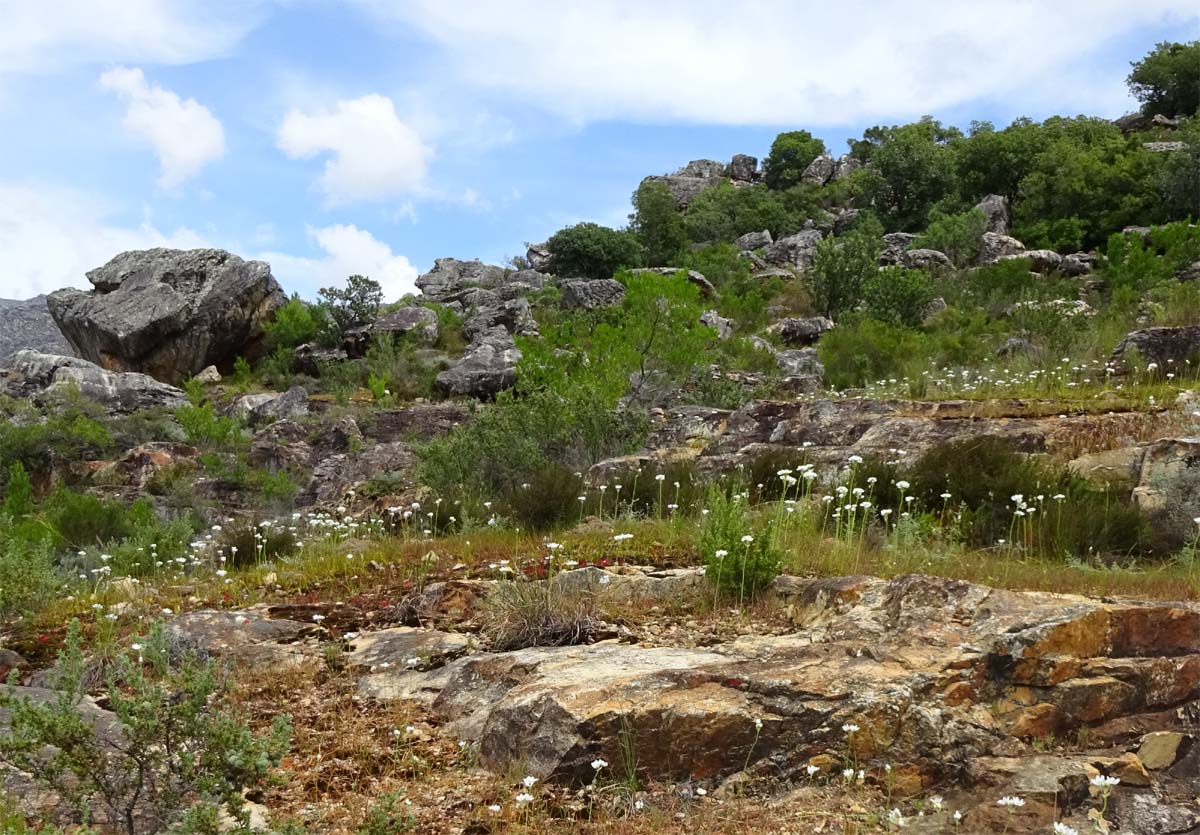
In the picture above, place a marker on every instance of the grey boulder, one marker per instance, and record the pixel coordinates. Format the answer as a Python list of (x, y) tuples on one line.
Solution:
[(994, 247), (582, 294), (753, 240), (797, 250), (929, 260), (801, 331), (995, 210), (819, 171), (169, 313), (36, 376), (488, 367)]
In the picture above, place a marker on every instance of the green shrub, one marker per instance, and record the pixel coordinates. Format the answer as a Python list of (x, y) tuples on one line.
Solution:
[(250, 544), (70, 430), (1167, 80), (658, 224), (589, 250), (208, 430), (740, 557), (294, 324), (862, 350), (897, 295), (27, 576), (790, 154), (81, 520), (389, 815), (724, 212), (958, 236), (549, 499), (353, 305), (176, 746), (839, 269)]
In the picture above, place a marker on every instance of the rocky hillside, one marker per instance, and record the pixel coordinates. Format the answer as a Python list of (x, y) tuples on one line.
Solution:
[(837, 493)]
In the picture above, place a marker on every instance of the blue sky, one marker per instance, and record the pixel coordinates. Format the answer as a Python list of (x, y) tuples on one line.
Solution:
[(374, 136)]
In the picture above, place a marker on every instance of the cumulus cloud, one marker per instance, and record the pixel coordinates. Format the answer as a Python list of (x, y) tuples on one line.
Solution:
[(40, 37), (50, 237), (183, 133), (779, 61), (375, 155), (348, 251)]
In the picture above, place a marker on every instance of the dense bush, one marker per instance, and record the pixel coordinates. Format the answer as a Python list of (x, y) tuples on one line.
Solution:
[(862, 350), (589, 250), (1168, 79), (296, 323), (68, 431), (897, 295), (958, 236), (791, 153), (839, 269), (740, 557), (658, 224), (177, 747), (27, 576)]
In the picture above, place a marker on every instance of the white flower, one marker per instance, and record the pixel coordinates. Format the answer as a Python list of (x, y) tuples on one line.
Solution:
[(528, 782), (523, 798), (494, 809), (936, 802), (902, 485), (1011, 801), (318, 618), (896, 819), (1104, 782), (598, 764), (811, 770), (848, 773), (660, 477), (1063, 829), (849, 728), (701, 792), (621, 537), (747, 538), (957, 815)]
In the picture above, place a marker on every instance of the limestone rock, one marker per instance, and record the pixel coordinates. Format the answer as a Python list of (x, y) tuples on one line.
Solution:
[(404, 647), (209, 376), (993, 247), (743, 168), (334, 476), (753, 240), (1168, 489), (1166, 346), (169, 313), (800, 362), (290, 405), (281, 446), (929, 260), (248, 637), (797, 250), (313, 359), (514, 316), (714, 320), (1077, 264), (894, 245), (1160, 749), (488, 367), (819, 171), (419, 321), (1041, 261), (27, 325), (995, 210), (582, 294), (539, 257), (846, 165), (801, 331), (42, 376)]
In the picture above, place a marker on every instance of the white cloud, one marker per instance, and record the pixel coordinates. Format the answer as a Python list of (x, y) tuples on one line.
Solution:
[(779, 61), (375, 155), (47, 36), (183, 133), (348, 251), (52, 236)]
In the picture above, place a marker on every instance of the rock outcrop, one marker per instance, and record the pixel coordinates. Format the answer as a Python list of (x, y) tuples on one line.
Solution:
[(27, 325), (695, 177), (488, 367), (797, 250), (995, 210), (169, 313), (421, 322), (582, 294), (39, 376), (994, 247), (1165, 346)]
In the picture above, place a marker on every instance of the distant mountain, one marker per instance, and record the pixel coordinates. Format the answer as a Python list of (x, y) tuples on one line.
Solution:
[(27, 324)]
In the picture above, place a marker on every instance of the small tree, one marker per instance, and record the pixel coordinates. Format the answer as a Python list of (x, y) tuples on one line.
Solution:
[(791, 153), (171, 745), (1167, 80), (897, 295), (355, 304), (658, 224), (295, 323), (839, 269), (958, 236), (589, 250)]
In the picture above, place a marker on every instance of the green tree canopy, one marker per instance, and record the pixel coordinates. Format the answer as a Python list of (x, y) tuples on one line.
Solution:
[(658, 224), (589, 250), (1167, 80), (791, 153)]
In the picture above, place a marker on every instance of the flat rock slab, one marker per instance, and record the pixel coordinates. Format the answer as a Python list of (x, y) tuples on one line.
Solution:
[(247, 638), (934, 673), (405, 647)]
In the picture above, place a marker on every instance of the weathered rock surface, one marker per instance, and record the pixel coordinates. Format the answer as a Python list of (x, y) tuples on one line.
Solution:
[(488, 367), (1166, 346), (514, 315), (800, 362), (797, 250), (926, 259), (819, 171), (450, 275), (714, 320), (582, 294), (753, 240), (995, 210), (801, 331), (169, 313), (27, 325), (335, 475), (249, 637), (689, 181), (846, 165), (1168, 490), (935, 673), (894, 245), (743, 168), (994, 247), (39, 376)]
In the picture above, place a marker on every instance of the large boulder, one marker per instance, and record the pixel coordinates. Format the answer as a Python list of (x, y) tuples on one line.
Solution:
[(800, 362), (801, 331), (753, 240), (582, 294), (451, 276), (169, 313), (929, 260), (1041, 261), (686, 183), (797, 250), (514, 315), (488, 367), (846, 165), (743, 168), (1168, 490), (1166, 346), (37, 376), (539, 257), (994, 247), (28, 324), (995, 210), (894, 246), (819, 171)]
